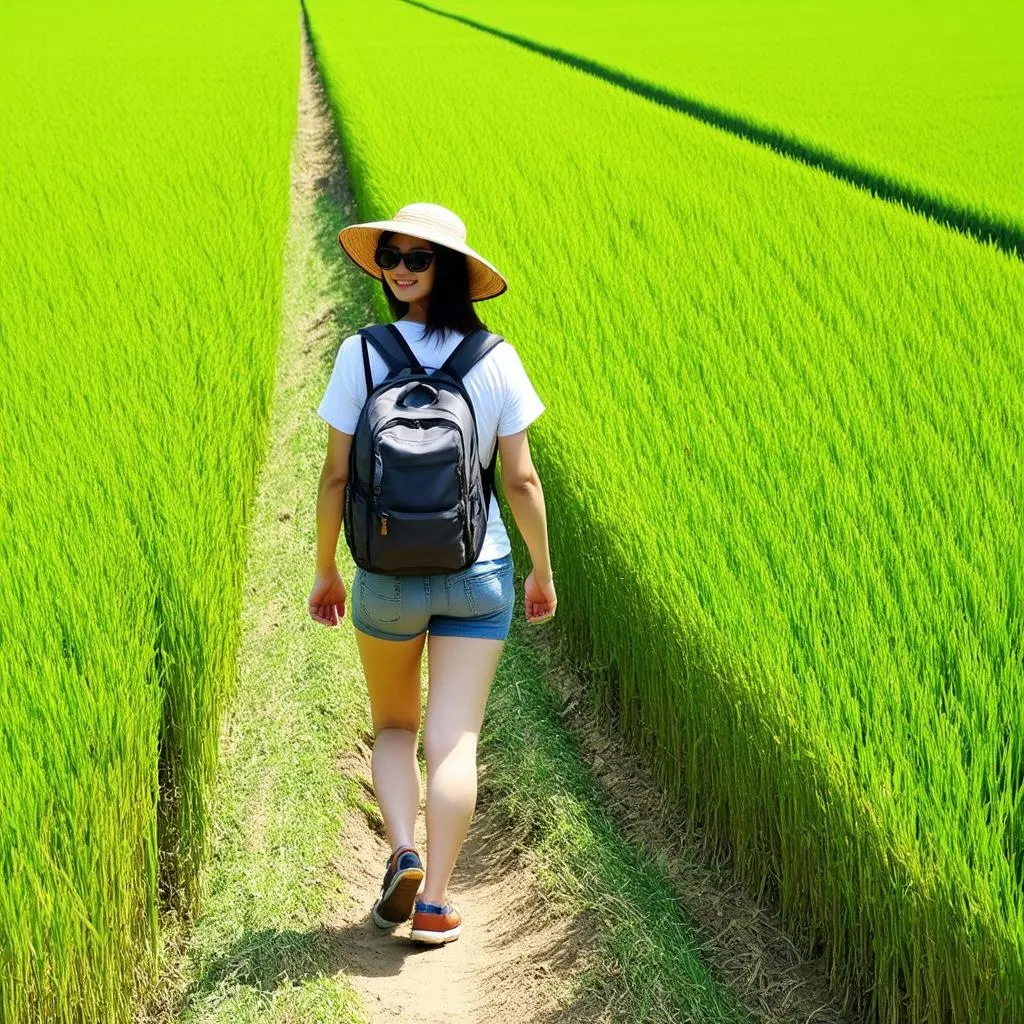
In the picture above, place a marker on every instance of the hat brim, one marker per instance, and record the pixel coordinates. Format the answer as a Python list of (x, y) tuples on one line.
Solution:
[(359, 242)]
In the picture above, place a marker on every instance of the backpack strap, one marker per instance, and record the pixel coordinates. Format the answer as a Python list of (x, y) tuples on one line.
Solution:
[(391, 347), (473, 347)]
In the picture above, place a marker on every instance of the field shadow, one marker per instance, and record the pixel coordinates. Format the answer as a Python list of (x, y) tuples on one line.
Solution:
[(965, 219)]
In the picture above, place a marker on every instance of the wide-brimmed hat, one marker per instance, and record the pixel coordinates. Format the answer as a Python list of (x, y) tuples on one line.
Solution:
[(433, 223)]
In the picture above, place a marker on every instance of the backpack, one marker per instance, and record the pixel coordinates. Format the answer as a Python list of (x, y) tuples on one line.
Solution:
[(417, 499)]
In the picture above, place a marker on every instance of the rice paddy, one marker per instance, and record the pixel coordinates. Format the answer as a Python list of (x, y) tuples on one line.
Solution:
[(782, 454)]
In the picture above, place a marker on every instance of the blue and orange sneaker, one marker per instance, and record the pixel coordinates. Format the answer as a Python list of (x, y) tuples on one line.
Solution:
[(435, 923), (402, 878)]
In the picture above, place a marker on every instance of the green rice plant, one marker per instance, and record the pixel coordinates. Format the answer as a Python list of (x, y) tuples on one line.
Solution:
[(783, 476), (924, 103), (144, 160)]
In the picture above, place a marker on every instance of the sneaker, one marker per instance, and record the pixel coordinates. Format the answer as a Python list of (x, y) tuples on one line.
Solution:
[(435, 923), (402, 877)]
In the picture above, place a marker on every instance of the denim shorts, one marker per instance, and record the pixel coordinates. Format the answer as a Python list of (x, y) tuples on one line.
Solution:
[(476, 601)]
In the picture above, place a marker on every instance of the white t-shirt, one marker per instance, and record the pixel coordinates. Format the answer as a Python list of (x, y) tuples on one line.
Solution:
[(503, 398)]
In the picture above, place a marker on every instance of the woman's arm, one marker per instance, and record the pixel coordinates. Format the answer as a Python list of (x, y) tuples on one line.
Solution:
[(331, 498), (525, 498)]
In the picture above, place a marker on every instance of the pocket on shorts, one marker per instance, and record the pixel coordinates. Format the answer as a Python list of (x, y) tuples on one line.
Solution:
[(489, 592), (380, 597)]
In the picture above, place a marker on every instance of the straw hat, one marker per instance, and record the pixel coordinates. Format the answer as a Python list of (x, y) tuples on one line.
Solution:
[(433, 223)]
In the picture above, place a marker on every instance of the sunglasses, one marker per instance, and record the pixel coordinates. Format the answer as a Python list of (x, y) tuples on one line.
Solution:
[(387, 257)]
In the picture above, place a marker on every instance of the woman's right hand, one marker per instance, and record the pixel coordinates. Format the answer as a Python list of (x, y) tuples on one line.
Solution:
[(540, 599), (326, 603)]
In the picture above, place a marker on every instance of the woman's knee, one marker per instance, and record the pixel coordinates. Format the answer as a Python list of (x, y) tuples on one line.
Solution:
[(440, 745)]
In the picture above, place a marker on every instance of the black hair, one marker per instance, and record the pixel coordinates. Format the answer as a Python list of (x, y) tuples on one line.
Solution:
[(448, 304)]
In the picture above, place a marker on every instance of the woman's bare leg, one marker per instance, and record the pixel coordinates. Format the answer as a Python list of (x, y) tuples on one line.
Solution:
[(392, 670), (461, 670)]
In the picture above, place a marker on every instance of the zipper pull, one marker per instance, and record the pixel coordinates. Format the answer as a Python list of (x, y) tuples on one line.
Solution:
[(384, 526)]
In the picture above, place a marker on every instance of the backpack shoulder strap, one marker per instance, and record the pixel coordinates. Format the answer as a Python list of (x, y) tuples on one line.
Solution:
[(391, 347), (473, 347)]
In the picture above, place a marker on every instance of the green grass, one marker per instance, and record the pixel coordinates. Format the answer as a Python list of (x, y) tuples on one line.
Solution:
[(928, 96), (782, 470), (143, 201)]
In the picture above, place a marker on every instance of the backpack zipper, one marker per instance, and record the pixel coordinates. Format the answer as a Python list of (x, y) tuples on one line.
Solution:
[(447, 422), (465, 518)]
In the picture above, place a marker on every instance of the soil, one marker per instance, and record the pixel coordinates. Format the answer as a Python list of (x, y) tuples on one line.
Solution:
[(743, 940)]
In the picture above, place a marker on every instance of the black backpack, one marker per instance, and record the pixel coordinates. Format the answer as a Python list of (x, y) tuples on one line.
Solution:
[(417, 499)]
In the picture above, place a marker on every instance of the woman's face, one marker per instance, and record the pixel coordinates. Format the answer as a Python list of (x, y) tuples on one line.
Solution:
[(422, 280)]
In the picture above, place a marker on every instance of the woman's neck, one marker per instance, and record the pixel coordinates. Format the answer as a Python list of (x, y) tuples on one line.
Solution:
[(416, 314)]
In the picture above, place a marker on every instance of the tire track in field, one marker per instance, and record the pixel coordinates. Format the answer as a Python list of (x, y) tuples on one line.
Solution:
[(949, 214)]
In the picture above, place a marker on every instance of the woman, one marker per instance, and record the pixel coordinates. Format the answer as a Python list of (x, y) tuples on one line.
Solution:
[(431, 278)]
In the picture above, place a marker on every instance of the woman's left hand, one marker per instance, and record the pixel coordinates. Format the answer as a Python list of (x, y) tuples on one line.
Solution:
[(327, 598)]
